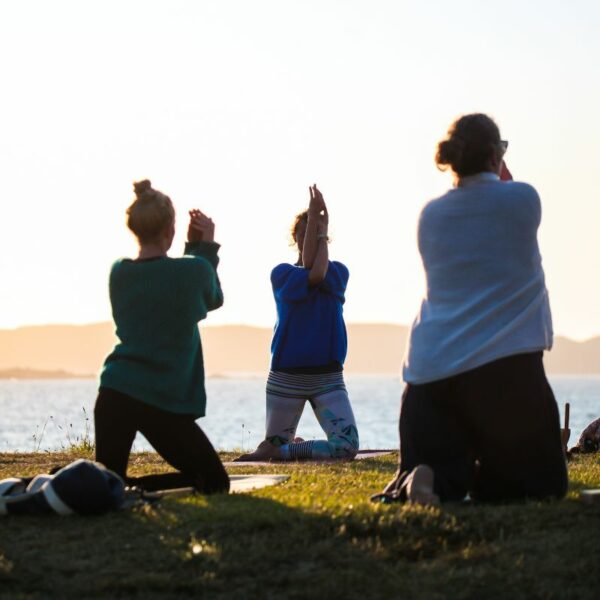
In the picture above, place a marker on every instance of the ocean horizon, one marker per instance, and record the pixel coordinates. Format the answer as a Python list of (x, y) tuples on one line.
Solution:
[(47, 415)]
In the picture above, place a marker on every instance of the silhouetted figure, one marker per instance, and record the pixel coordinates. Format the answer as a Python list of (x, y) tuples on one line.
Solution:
[(478, 415), (309, 348), (153, 381)]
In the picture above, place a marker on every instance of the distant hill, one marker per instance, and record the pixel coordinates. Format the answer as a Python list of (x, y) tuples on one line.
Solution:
[(577, 358), (79, 350), (37, 374)]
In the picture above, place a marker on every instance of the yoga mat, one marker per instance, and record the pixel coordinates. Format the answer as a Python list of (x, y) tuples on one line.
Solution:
[(362, 454), (240, 484), (246, 483), (590, 496)]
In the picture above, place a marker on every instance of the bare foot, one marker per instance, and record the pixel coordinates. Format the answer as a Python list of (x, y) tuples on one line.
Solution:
[(419, 487), (264, 452)]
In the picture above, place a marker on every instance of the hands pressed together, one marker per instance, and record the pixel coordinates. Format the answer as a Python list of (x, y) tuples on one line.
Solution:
[(201, 227), (317, 209)]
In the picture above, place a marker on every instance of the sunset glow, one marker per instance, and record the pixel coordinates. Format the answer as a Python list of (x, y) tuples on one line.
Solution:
[(236, 107)]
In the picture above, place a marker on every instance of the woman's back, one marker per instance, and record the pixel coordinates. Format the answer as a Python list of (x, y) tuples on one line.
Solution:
[(157, 304), (153, 380), (162, 298), (474, 358), (486, 296)]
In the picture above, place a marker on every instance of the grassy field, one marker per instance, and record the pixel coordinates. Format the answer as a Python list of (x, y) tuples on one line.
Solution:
[(316, 536)]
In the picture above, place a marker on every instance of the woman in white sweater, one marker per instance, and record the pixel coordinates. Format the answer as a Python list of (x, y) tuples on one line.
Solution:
[(478, 416)]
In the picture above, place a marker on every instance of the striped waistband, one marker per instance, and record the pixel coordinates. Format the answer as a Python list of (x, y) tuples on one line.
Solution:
[(302, 385)]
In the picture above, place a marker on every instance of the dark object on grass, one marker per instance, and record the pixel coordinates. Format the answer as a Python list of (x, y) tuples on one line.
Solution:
[(153, 483), (83, 487), (589, 440)]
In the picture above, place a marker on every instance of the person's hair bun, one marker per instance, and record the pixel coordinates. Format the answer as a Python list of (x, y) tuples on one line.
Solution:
[(450, 151), (472, 142), (140, 187), (150, 213)]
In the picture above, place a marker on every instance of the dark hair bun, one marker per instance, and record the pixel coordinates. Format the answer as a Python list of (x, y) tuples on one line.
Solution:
[(450, 151), (140, 187), (473, 140)]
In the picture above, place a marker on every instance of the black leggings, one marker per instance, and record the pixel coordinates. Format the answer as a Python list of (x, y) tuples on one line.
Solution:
[(492, 432), (177, 438)]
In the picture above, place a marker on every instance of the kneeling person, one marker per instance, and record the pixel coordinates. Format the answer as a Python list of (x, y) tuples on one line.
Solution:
[(153, 381), (308, 349)]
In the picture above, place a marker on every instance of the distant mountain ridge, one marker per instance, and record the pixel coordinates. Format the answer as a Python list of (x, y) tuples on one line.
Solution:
[(373, 348), (39, 374)]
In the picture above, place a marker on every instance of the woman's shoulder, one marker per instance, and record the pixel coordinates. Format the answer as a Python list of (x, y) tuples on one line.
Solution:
[(283, 268), (521, 199), (119, 264), (340, 267), (182, 266), (435, 205), (514, 191), (517, 188), (189, 261)]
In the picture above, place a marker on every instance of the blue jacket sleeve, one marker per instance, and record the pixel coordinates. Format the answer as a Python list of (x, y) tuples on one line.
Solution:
[(290, 283), (336, 279)]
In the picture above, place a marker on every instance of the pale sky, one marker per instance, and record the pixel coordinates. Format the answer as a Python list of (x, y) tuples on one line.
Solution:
[(235, 107)]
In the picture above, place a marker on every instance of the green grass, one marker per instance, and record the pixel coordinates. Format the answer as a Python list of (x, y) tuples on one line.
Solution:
[(315, 536)]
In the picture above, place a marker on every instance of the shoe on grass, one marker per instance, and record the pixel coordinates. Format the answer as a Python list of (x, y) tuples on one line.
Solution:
[(265, 451)]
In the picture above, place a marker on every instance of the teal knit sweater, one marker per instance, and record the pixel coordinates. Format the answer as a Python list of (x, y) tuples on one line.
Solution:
[(156, 306)]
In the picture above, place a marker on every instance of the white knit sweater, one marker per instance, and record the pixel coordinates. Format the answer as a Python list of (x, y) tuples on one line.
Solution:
[(486, 295)]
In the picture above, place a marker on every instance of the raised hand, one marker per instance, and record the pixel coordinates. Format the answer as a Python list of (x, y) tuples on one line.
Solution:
[(317, 203), (201, 227), (505, 174), (318, 210), (323, 222), (315, 255)]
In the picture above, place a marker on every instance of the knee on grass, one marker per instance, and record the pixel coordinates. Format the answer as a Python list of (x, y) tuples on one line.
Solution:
[(217, 487)]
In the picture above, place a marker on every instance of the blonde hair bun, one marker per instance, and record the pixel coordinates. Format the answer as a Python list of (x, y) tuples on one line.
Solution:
[(151, 213)]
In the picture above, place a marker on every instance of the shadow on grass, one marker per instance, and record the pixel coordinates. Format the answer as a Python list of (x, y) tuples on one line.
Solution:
[(251, 547), (224, 547), (331, 544)]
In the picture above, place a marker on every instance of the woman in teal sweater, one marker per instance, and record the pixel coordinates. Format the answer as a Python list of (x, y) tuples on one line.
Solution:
[(153, 380)]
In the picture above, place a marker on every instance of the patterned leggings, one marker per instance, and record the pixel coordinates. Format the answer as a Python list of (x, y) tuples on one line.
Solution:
[(286, 395)]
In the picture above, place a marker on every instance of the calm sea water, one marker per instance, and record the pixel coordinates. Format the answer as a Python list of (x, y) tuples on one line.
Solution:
[(49, 414)]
